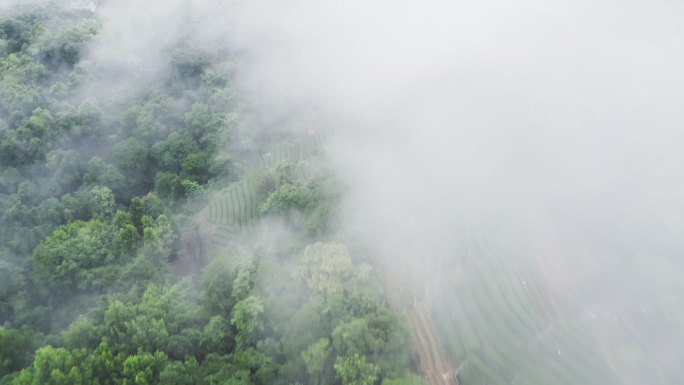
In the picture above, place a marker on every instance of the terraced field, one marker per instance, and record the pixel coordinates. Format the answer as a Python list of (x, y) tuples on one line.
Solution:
[(508, 312), (497, 308), (234, 209)]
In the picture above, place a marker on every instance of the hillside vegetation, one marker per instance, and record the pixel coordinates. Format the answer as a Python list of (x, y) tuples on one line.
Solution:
[(168, 234)]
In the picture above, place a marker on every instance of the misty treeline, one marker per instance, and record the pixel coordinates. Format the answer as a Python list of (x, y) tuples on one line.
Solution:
[(98, 198)]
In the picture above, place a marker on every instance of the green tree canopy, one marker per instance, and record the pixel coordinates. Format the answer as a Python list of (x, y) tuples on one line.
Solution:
[(327, 269), (356, 370)]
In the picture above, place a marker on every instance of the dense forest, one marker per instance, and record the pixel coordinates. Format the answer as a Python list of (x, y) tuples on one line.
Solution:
[(116, 266), (311, 192)]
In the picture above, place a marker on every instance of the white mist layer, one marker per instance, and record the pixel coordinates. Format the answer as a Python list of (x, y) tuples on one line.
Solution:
[(554, 126)]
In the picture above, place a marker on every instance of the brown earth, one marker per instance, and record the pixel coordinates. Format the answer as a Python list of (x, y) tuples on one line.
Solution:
[(434, 364), (403, 249)]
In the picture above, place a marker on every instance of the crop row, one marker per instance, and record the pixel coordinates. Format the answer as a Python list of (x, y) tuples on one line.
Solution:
[(236, 205), (502, 316), (293, 152)]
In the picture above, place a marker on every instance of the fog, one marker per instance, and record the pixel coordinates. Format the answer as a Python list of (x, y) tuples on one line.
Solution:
[(569, 108), (549, 130), (551, 126)]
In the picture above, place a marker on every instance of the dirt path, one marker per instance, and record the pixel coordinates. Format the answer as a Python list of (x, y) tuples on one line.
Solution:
[(435, 366)]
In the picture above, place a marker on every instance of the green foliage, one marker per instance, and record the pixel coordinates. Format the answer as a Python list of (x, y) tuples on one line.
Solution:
[(93, 207), (149, 205), (259, 365), (352, 337), (158, 238), (17, 32), (99, 172), (316, 355), (218, 287), (196, 165), (406, 379), (16, 348), (126, 233), (190, 187), (189, 62), (356, 370), (308, 205), (148, 325), (327, 269), (217, 336), (31, 140), (56, 366), (186, 372), (284, 199), (151, 120), (81, 333), (131, 158), (143, 368), (246, 319), (82, 123), (171, 152), (169, 185), (12, 278), (78, 256), (102, 201), (105, 365), (65, 47), (94, 202), (21, 94), (377, 334), (244, 280)]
